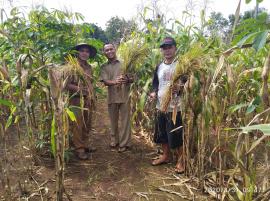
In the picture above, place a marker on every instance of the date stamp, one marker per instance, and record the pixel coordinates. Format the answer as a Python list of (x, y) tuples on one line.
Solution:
[(233, 190)]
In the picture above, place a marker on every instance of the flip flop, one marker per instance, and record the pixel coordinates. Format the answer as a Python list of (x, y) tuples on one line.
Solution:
[(123, 149), (178, 171), (159, 162), (113, 145), (82, 155), (90, 149)]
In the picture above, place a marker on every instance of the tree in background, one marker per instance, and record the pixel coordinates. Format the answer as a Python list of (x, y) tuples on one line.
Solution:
[(95, 31), (218, 25), (117, 28)]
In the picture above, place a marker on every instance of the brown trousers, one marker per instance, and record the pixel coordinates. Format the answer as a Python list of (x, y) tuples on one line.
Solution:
[(120, 136), (81, 127)]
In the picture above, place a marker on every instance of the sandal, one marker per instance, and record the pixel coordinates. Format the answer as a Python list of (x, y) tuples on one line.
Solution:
[(82, 155), (113, 145), (160, 161), (90, 149), (179, 168), (123, 149)]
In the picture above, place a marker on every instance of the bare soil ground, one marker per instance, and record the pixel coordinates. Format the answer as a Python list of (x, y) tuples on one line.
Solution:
[(106, 176)]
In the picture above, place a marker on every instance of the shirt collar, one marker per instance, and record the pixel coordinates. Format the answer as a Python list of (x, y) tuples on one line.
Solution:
[(113, 62)]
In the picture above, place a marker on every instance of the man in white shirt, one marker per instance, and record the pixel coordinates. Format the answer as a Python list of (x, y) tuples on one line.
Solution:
[(168, 134)]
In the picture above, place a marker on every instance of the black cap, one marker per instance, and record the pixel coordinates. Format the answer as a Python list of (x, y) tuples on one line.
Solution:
[(92, 49), (167, 41)]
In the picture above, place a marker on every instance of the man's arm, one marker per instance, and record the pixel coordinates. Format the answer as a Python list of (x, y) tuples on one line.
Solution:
[(109, 82), (155, 84)]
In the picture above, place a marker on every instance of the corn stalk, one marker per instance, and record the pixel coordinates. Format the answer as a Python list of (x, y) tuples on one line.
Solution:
[(56, 88)]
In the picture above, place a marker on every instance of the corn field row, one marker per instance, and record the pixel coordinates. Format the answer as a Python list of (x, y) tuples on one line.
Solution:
[(225, 104)]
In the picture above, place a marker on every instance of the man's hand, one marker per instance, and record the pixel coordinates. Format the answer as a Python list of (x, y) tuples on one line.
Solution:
[(177, 88), (118, 80), (121, 79), (152, 96)]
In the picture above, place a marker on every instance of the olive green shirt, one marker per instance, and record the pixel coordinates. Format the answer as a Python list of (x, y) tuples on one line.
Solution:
[(116, 93)]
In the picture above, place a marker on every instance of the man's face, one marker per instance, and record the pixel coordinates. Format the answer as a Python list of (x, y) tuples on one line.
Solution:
[(168, 51), (110, 51), (84, 53)]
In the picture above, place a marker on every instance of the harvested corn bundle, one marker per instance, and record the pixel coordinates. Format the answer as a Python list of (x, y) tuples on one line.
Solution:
[(72, 70), (132, 53), (186, 63)]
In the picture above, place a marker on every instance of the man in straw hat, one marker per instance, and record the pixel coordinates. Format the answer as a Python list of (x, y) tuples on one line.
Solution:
[(118, 99), (81, 95), (168, 134)]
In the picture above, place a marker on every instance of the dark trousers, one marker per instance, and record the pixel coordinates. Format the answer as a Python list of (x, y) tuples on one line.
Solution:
[(164, 130)]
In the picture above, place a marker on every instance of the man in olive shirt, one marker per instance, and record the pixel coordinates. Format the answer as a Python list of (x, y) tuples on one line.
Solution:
[(118, 99), (80, 90)]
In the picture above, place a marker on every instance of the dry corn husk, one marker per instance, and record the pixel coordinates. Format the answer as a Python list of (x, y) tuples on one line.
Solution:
[(61, 75), (4, 74)]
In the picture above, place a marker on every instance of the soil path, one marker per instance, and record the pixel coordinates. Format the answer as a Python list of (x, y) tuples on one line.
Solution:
[(112, 176)]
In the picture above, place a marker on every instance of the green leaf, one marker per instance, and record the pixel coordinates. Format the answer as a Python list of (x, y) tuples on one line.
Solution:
[(6, 102), (245, 39), (71, 114), (143, 97), (265, 128), (234, 108), (259, 1), (10, 118), (250, 109), (254, 104), (17, 118), (9, 121), (53, 145), (260, 40), (248, 1)]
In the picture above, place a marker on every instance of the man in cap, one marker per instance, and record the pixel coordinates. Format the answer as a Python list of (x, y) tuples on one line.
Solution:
[(81, 93), (118, 99), (168, 134)]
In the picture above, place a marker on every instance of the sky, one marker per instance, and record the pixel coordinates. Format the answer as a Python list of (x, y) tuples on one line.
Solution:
[(100, 11)]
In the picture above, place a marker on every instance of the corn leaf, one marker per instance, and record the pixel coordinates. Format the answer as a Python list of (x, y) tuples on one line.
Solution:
[(9, 121), (53, 145), (144, 95), (260, 40), (237, 16), (246, 39), (6, 102), (265, 128), (256, 143), (71, 114), (10, 118), (235, 108), (239, 193)]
